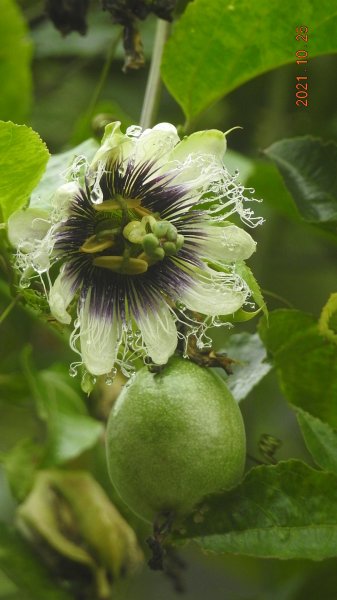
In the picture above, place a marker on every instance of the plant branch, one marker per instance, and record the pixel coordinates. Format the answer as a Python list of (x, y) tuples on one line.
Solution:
[(153, 86)]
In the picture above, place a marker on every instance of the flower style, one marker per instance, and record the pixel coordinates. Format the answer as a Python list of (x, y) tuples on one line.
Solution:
[(144, 243)]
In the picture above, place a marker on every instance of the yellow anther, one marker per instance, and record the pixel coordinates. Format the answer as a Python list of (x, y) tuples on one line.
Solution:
[(92, 245), (142, 211), (117, 204), (121, 264)]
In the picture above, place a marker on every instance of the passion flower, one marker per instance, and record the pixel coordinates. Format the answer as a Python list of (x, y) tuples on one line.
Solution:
[(173, 438), (143, 240)]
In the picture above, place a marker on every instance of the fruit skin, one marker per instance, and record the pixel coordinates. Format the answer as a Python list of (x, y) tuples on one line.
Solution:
[(174, 437)]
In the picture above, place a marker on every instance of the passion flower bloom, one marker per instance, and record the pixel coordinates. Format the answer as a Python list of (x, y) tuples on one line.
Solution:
[(144, 244)]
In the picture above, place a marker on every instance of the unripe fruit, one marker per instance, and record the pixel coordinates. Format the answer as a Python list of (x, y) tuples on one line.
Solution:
[(174, 437)]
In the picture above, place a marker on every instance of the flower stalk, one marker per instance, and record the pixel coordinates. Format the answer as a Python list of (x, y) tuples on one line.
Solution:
[(153, 86)]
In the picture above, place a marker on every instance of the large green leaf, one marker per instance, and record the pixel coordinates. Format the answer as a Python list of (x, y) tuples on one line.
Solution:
[(25, 570), (23, 158), (308, 167), (285, 511), (217, 46), (269, 185), (305, 360), (15, 56), (306, 364)]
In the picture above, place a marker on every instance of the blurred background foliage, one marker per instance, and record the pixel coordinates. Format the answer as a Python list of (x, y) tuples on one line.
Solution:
[(72, 88)]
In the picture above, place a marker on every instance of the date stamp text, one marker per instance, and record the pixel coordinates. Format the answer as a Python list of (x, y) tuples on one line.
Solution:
[(302, 62)]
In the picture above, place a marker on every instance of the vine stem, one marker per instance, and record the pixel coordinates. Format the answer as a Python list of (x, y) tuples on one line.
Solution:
[(9, 308), (104, 73), (152, 92)]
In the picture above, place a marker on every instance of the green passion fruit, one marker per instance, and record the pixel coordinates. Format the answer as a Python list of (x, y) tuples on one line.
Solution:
[(172, 438)]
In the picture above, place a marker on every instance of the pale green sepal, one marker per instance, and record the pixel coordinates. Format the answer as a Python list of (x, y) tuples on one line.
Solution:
[(228, 244), (242, 316), (114, 144), (247, 275), (211, 142)]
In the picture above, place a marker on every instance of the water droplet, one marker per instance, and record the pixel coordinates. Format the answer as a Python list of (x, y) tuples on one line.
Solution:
[(24, 283), (96, 195), (134, 131), (109, 378), (216, 322)]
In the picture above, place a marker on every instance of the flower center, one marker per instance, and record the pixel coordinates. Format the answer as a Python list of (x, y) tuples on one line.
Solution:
[(127, 244)]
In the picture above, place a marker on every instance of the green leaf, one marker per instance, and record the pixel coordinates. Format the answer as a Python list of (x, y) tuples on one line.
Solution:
[(55, 173), (308, 167), (21, 464), (250, 368), (285, 511), (283, 326), (269, 186), (71, 430), (23, 158), (321, 440), (15, 58), (217, 46), (23, 568), (306, 362)]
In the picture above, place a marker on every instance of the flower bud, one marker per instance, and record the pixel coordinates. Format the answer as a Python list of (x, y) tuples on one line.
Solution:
[(68, 516)]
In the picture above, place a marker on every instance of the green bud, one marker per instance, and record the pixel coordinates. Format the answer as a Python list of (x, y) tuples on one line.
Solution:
[(180, 241), (150, 243), (171, 235), (158, 253), (160, 228), (68, 516), (170, 248)]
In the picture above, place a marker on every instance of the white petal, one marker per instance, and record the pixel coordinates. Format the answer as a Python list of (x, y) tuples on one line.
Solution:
[(156, 143), (64, 197), (215, 293), (27, 226), (198, 159), (229, 244), (100, 339), (60, 296), (159, 333)]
